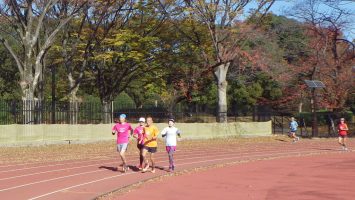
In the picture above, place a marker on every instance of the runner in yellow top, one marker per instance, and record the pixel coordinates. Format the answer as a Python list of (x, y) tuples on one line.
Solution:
[(150, 134)]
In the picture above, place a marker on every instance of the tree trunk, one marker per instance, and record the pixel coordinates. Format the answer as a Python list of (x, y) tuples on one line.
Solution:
[(30, 27), (135, 97), (28, 105), (106, 112), (171, 105), (221, 76), (73, 101), (300, 107)]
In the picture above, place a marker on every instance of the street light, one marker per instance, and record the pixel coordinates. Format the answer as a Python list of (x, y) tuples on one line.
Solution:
[(314, 84)]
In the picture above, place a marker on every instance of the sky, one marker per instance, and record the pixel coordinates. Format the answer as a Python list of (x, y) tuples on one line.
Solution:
[(280, 7)]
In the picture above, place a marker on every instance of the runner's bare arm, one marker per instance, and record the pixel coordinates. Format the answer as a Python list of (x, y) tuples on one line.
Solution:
[(163, 133), (346, 127), (178, 133), (155, 136)]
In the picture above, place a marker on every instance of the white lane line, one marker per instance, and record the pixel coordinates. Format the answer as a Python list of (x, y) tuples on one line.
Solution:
[(240, 146), (186, 154), (79, 167), (110, 177), (57, 170), (106, 159), (78, 162), (93, 160), (47, 180), (53, 165), (94, 171), (82, 161), (89, 172)]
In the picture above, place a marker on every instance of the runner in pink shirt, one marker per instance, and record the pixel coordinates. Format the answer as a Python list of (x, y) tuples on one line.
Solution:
[(124, 131), (138, 134)]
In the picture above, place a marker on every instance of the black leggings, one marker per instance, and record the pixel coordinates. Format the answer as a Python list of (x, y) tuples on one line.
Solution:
[(141, 159)]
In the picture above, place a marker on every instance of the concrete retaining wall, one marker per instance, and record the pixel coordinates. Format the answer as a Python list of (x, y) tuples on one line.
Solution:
[(46, 134)]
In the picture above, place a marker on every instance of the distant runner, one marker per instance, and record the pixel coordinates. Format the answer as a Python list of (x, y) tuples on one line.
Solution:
[(123, 131), (342, 133), (293, 130)]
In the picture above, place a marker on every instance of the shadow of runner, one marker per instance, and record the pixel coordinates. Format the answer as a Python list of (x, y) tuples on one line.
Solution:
[(281, 140), (160, 168), (109, 168), (133, 168)]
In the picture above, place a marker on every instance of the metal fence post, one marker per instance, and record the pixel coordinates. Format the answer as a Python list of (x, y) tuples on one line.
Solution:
[(282, 124)]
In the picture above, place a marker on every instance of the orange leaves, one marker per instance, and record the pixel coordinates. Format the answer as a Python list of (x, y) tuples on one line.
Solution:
[(330, 60)]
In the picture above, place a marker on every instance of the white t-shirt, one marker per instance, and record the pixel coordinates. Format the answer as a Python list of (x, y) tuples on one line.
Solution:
[(170, 135)]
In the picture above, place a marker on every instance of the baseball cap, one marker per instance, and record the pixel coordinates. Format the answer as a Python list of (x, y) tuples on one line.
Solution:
[(171, 119), (142, 119), (123, 116)]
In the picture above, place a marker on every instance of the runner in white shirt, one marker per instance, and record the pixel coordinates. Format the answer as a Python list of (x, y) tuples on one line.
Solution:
[(171, 134)]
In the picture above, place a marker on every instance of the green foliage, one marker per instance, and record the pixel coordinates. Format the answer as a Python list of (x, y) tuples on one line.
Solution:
[(289, 36), (153, 58), (245, 92), (9, 88), (126, 45), (123, 101), (207, 96)]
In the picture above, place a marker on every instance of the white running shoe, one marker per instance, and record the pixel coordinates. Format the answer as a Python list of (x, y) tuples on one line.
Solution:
[(145, 169)]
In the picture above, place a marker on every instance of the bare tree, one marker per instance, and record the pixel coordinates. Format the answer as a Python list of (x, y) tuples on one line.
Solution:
[(331, 55), (220, 17), (83, 35), (26, 22)]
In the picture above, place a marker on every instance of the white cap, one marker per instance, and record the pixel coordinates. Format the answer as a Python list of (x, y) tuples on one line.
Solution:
[(142, 119)]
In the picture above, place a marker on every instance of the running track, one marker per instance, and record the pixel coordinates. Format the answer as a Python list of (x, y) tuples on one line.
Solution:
[(87, 179)]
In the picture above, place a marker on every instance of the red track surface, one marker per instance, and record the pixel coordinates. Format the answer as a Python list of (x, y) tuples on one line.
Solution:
[(86, 179), (326, 177)]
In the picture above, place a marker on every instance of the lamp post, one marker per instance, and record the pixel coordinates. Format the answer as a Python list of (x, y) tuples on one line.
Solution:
[(313, 85)]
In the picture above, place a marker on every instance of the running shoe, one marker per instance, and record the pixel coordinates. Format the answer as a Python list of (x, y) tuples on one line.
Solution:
[(145, 168)]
